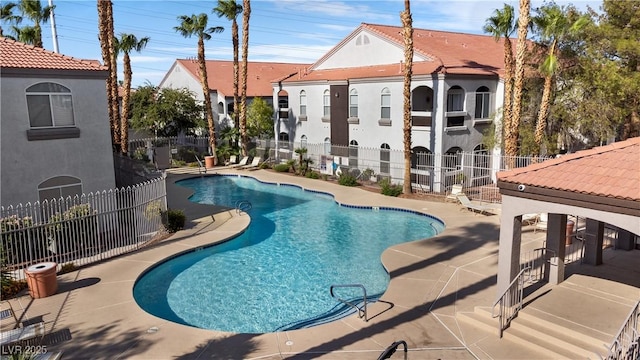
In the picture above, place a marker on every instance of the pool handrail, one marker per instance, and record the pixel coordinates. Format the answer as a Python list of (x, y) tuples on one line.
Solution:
[(364, 298)]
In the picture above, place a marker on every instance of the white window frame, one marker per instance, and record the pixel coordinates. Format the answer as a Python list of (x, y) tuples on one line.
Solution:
[(57, 95)]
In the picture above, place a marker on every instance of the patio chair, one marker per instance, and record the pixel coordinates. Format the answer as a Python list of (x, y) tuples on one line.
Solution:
[(254, 164), (16, 335), (530, 219), (242, 163), (456, 190), (232, 160), (477, 207), (541, 223)]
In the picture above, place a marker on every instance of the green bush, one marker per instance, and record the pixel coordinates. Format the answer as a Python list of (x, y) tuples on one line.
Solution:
[(281, 167), (347, 180), (313, 175), (390, 189), (173, 220)]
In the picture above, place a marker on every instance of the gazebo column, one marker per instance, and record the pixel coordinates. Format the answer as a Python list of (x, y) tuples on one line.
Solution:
[(509, 249), (626, 240), (556, 228), (593, 237)]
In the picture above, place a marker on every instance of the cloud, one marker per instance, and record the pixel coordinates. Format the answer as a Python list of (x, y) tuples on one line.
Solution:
[(335, 9)]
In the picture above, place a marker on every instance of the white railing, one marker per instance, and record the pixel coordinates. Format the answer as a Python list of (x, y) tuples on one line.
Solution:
[(626, 345), (81, 229)]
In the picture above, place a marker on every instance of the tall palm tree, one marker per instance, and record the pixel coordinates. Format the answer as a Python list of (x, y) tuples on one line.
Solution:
[(502, 25), (7, 15), (34, 11), (245, 58), (197, 25), (125, 44), (107, 46), (407, 35), (553, 24), (511, 141), (230, 9)]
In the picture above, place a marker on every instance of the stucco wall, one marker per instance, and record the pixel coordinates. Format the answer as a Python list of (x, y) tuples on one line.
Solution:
[(25, 164)]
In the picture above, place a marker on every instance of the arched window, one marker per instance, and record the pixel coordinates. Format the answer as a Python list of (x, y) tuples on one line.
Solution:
[(385, 159), (453, 158), (385, 104), (481, 164), (455, 99), (59, 187), (353, 103), (327, 146), (49, 105), (303, 103), (483, 102), (220, 108), (303, 141), (421, 158), (326, 102), (353, 154)]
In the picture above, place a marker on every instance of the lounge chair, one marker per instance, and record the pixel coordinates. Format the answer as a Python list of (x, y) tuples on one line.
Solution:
[(477, 207), (530, 219), (254, 164), (456, 190), (541, 223), (242, 163), (22, 333), (232, 160)]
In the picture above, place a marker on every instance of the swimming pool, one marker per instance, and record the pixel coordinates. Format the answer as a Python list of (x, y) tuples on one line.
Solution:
[(277, 274)]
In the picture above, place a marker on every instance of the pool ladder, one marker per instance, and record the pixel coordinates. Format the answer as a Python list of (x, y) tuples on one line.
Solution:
[(362, 312), (243, 206)]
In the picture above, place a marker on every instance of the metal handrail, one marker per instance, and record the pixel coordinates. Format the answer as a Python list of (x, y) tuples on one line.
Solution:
[(364, 298), (626, 344), (243, 205), (200, 165), (510, 301)]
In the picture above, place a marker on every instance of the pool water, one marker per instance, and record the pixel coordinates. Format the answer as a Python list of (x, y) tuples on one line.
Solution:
[(277, 274)]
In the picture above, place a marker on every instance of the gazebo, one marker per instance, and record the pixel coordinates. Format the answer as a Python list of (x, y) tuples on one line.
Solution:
[(601, 185)]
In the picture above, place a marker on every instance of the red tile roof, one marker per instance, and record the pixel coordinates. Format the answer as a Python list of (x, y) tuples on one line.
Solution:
[(260, 75), (450, 53), (606, 171), (17, 55)]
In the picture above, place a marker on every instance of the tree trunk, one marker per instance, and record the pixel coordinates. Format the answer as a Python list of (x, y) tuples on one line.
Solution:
[(207, 98), (113, 73), (507, 108), (407, 35), (512, 134), (245, 56), (124, 129), (236, 74), (106, 59), (545, 104)]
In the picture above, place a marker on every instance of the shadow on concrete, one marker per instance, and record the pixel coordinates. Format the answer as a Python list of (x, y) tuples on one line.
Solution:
[(78, 284), (238, 346)]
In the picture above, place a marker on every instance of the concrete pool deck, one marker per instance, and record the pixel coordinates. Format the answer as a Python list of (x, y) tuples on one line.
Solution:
[(94, 315)]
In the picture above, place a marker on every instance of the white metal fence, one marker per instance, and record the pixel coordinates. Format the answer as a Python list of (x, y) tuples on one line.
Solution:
[(81, 229)]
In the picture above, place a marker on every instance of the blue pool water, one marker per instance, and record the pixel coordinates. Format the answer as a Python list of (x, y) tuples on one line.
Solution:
[(277, 274)]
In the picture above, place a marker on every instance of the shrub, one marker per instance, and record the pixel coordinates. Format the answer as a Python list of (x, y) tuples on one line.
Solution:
[(141, 154), (173, 220), (264, 165), (347, 180), (390, 189), (281, 167), (313, 175), (67, 268)]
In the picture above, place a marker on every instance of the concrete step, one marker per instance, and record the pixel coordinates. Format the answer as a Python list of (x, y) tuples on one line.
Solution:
[(540, 336)]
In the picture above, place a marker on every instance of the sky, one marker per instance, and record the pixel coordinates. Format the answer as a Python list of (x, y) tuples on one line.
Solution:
[(291, 31)]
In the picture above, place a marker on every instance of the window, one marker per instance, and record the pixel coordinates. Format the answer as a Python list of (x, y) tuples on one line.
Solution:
[(453, 158), (353, 103), (220, 108), (385, 158), (483, 97), (353, 154), (59, 187), (455, 121), (283, 140), (385, 104), (303, 103), (326, 102), (455, 99), (327, 146), (303, 141), (49, 105)]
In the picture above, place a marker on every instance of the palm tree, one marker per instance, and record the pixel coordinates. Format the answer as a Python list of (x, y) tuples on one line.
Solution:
[(6, 14), (107, 46), (125, 44), (502, 25), (553, 24), (245, 58), (230, 9), (33, 10), (407, 35), (197, 25), (511, 141)]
